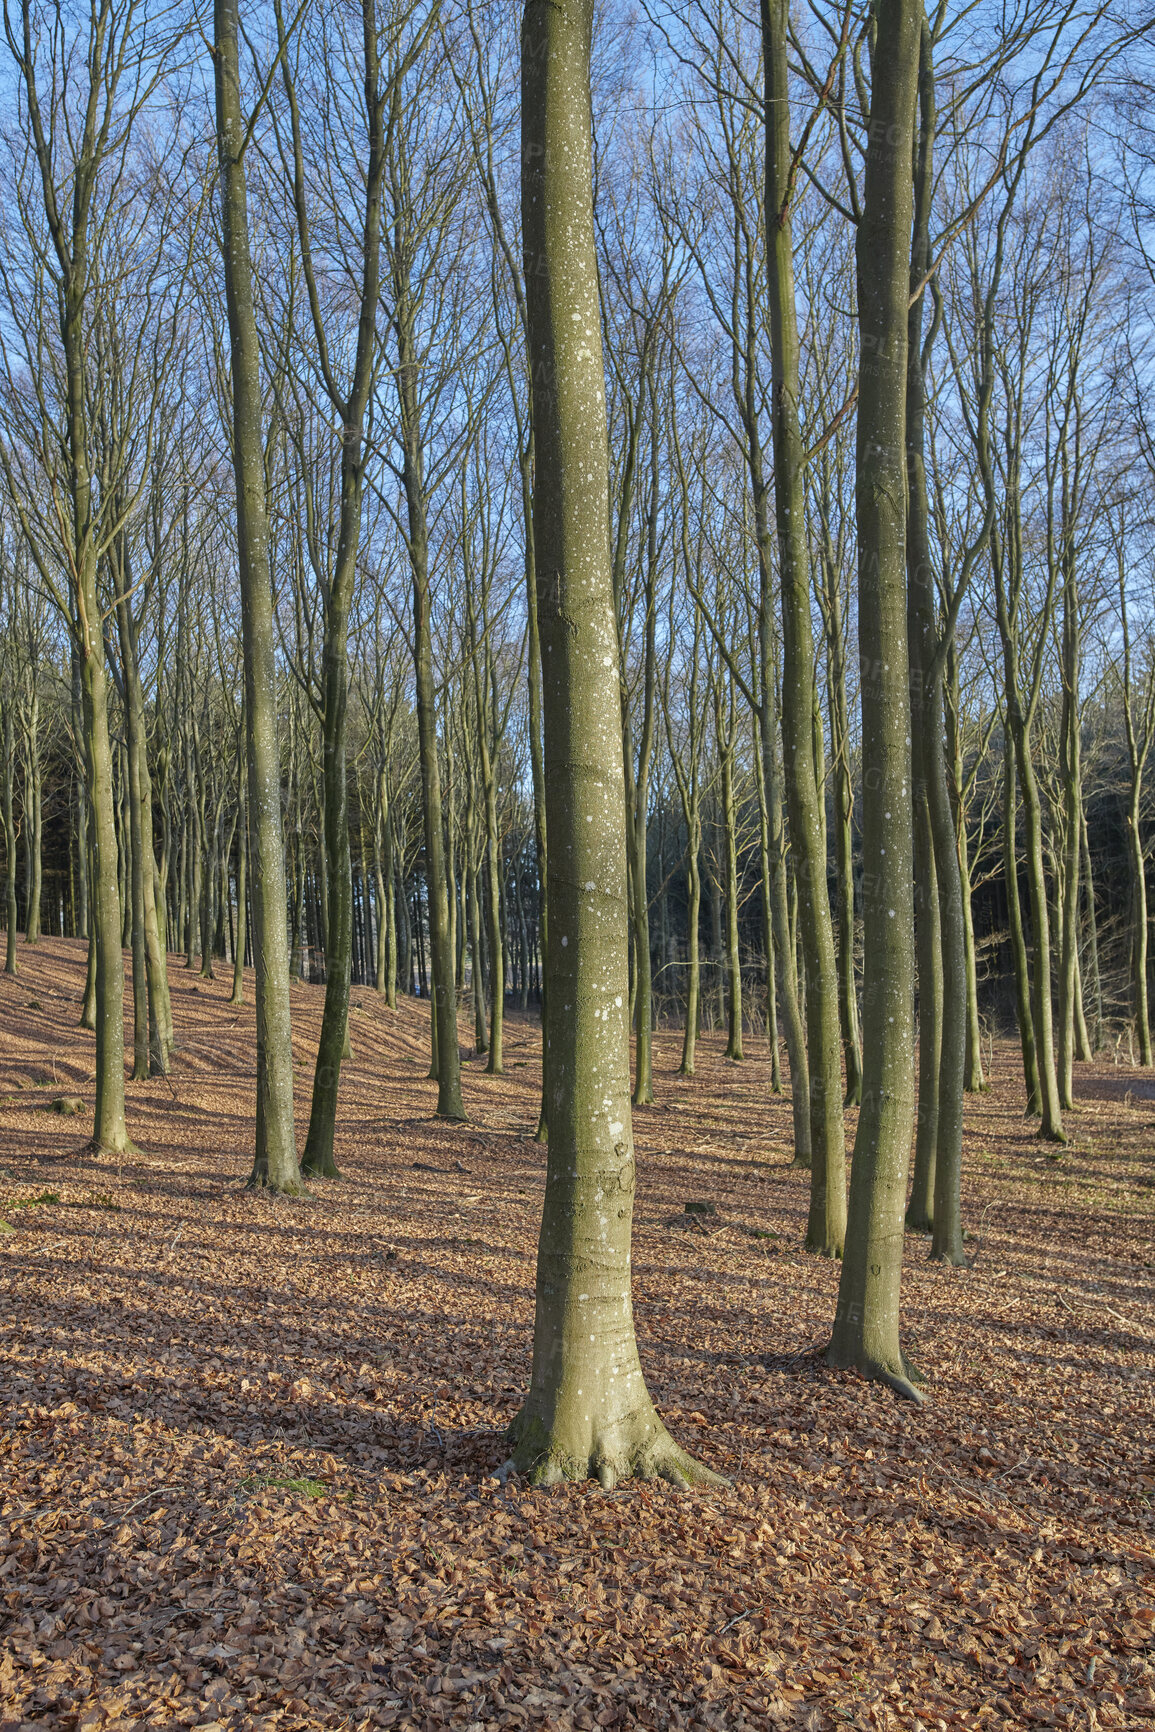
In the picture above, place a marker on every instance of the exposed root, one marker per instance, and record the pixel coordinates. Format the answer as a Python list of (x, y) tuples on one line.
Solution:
[(546, 1461), (107, 1155), (953, 1254), (913, 1374), (325, 1168), (901, 1386), (901, 1378), (262, 1185)]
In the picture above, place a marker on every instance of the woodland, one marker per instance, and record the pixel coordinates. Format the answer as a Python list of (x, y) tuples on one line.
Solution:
[(577, 674)]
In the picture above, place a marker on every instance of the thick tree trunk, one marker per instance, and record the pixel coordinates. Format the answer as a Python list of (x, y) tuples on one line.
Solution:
[(275, 1161), (866, 1327), (588, 1410)]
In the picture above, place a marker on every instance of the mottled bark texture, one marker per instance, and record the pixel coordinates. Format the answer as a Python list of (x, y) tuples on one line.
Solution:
[(588, 1410), (866, 1321)]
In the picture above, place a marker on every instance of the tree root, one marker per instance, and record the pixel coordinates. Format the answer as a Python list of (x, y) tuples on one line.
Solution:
[(106, 1155), (264, 1186), (901, 1378), (545, 1461), (951, 1254), (325, 1168)]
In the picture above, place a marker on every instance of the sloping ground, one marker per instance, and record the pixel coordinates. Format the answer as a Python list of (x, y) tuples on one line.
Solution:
[(249, 1448)]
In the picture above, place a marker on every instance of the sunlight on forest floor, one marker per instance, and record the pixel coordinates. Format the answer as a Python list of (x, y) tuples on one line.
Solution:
[(250, 1447)]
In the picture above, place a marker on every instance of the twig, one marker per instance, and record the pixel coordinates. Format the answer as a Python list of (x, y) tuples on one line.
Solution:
[(154, 1493), (734, 1621), (1127, 1322)]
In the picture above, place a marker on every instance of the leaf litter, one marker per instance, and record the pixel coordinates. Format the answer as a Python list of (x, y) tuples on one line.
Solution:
[(252, 1451)]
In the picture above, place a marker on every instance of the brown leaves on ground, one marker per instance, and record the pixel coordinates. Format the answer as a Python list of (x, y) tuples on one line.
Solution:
[(250, 1447)]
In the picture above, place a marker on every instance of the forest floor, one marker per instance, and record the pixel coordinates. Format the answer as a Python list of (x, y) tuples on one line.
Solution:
[(249, 1449)]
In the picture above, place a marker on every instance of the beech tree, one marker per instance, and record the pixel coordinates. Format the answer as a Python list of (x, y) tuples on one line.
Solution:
[(588, 1410), (275, 1163), (866, 1326)]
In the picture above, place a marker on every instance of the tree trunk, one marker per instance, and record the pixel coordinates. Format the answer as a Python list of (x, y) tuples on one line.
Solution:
[(1093, 933), (110, 1134), (444, 1013), (1071, 768), (275, 1160), (477, 974), (826, 1225), (1019, 961), (725, 733), (10, 965), (974, 1081), (942, 1001), (33, 805), (587, 1410), (693, 958), (779, 912), (238, 992), (866, 1327), (1051, 1125)]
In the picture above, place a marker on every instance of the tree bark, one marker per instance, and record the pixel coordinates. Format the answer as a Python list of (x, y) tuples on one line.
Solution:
[(10, 963), (826, 1225), (866, 1327), (275, 1160), (588, 1410)]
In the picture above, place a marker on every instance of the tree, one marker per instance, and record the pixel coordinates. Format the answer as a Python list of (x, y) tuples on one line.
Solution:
[(74, 193), (805, 797), (275, 1158), (587, 1410), (866, 1325)]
